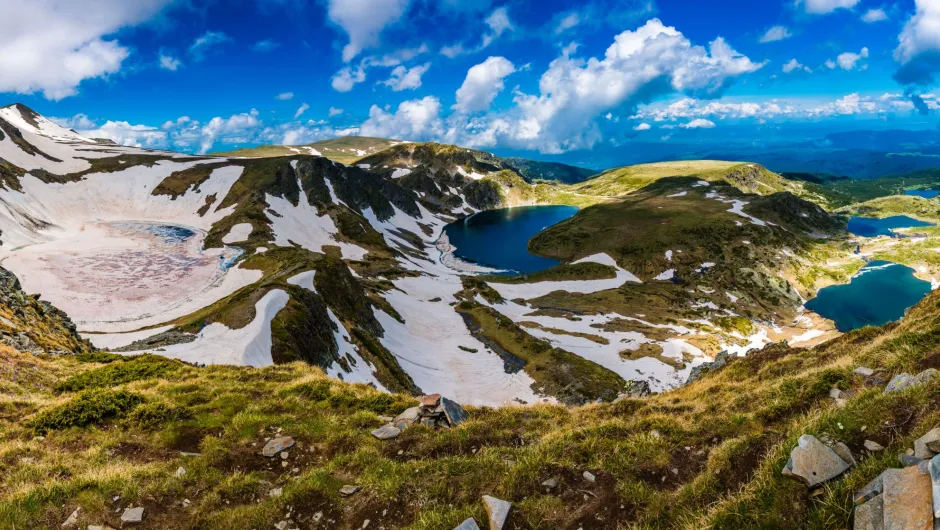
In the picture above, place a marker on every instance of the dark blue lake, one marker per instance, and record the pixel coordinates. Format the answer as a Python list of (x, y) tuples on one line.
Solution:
[(500, 238), (927, 194), (871, 227), (880, 293)]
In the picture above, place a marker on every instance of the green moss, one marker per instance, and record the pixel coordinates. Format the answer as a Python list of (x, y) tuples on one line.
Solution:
[(135, 369), (156, 414), (91, 407)]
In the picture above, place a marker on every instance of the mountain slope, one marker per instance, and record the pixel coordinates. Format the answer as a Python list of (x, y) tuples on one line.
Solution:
[(345, 150)]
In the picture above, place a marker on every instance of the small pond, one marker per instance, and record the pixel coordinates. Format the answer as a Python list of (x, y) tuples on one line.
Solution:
[(927, 194), (500, 238), (880, 293), (871, 227)]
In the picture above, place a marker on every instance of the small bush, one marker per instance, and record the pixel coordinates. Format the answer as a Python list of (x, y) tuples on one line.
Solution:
[(101, 357), (135, 369), (151, 415), (91, 407)]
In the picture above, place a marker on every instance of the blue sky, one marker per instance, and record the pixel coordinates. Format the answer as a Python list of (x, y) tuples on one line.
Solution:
[(533, 76)]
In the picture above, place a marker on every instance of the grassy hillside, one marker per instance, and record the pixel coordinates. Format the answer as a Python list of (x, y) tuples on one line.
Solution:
[(102, 433), (346, 150)]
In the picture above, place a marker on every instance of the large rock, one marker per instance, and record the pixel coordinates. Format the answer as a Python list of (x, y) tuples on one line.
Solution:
[(454, 412), (904, 381), (813, 462), (276, 445), (907, 500), (934, 469), (407, 418), (132, 515), (870, 491), (497, 511), (637, 389), (469, 524), (386, 432), (871, 515), (921, 449)]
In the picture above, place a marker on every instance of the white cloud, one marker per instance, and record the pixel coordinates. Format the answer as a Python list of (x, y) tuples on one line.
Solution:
[(364, 20), (845, 106), (830, 64), (482, 84), (652, 61), (699, 123), (776, 33), (182, 120), (413, 120), (849, 60), (123, 133), (567, 22), (266, 45), (643, 127), (689, 108), (794, 65), (403, 78), (874, 15), (300, 110), (334, 111), (918, 50), (284, 96), (498, 23), (347, 78), (822, 7), (76, 122), (51, 46), (168, 62), (234, 128), (205, 43)]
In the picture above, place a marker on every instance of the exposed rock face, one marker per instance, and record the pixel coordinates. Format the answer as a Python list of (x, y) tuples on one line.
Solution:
[(813, 462), (871, 515), (31, 325), (907, 500), (903, 381), (698, 371), (922, 445)]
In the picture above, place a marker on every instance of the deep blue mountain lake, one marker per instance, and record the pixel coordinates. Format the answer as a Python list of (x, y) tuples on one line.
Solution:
[(927, 194), (871, 227), (500, 238), (880, 293)]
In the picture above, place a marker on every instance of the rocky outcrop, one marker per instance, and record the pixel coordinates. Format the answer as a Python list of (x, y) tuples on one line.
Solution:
[(31, 325), (814, 463)]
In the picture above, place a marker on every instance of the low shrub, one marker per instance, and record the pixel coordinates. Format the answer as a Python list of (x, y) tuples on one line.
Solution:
[(134, 369), (91, 407)]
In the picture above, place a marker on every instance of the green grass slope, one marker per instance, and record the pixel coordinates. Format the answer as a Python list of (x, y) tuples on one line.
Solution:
[(346, 150)]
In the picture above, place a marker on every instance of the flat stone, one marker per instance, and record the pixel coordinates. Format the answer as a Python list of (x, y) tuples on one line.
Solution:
[(870, 516), (277, 445), (588, 476), (920, 445), (386, 432), (862, 371), (934, 469), (873, 446), (899, 382), (551, 483), (408, 417), (72, 521), (348, 490), (870, 491), (454, 412), (132, 515), (844, 453), (907, 500), (907, 460), (497, 511), (430, 400), (469, 524), (835, 393), (813, 462)]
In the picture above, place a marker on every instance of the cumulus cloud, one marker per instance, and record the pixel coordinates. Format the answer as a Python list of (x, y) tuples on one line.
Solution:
[(123, 133), (776, 33), (498, 23), (234, 128), (284, 96), (874, 15), (849, 60), (168, 62), (794, 66), (334, 111), (918, 51), (51, 46), (482, 84), (845, 106), (822, 7), (205, 43), (699, 123), (300, 110), (651, 61), (690, 108), (643, 127), (416, 119), (403, 78), (347, 78), (364, 20), (77, 122)]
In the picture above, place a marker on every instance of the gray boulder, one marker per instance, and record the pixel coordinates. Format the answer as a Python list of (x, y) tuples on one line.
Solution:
[(698, 371), (934, 469), (637, 389), (469, 524), (132, 515), (904, 381), (813, 462), (348, 490), (870, 491), (454, 413), (386, 432), (497, 511), (921, 445), (871, 515), (862, 371), (873, 446), (907, 500)]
